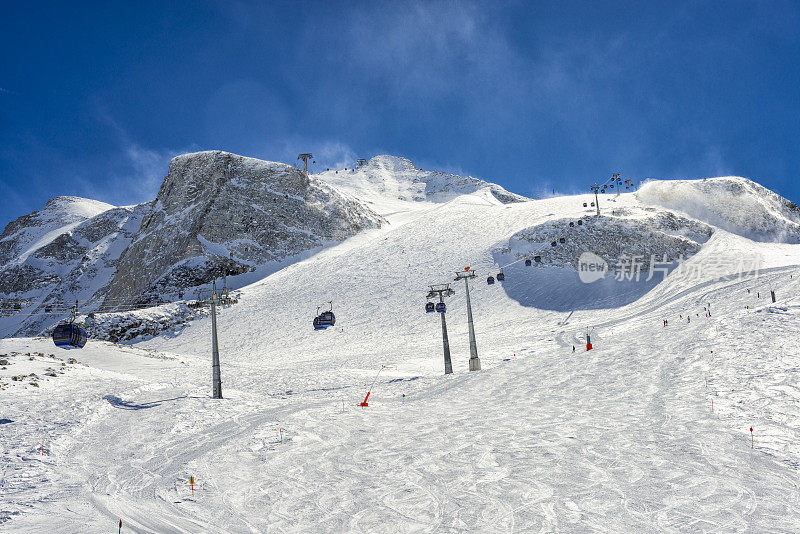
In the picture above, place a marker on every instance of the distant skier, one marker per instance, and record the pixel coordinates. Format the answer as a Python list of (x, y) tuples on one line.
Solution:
[(758, 295), (688, 319), (573, 348)]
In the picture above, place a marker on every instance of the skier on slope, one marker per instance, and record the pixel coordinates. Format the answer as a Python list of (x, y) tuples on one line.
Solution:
[(573, 348)]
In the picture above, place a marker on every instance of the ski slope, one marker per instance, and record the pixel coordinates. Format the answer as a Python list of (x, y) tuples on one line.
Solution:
[(620, 438)]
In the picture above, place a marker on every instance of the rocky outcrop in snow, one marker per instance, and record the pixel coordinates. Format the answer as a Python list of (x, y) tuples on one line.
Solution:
[(660, 236)]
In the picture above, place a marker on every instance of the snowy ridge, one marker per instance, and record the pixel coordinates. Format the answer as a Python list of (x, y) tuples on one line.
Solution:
[(732, 203), (385, 180)]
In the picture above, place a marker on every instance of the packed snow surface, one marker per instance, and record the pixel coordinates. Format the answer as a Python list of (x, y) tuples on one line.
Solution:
[(545, 437)]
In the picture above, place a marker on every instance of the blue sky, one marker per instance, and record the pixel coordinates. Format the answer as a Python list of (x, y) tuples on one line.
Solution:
[(96, 97)]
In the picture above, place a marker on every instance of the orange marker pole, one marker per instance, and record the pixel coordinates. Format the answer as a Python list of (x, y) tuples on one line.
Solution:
[(191, 483)]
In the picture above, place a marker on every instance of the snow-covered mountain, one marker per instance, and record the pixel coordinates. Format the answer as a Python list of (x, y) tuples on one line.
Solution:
[(222, 214), (66, 252), (216, 214), (648, 431)]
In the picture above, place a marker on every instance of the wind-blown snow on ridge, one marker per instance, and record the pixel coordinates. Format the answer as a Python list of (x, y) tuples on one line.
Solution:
[(735, 204)]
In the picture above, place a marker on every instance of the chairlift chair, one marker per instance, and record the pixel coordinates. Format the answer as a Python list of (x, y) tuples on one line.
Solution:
[(48, 309)]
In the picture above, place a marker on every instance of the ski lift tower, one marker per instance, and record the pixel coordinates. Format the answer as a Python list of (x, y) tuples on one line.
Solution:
[(305, 158), (474, 361), (617, 179), (212, 300), (443, 290), (596, 188)]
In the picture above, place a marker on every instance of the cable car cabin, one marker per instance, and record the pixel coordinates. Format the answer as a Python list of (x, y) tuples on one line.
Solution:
[(592, 204), (585, 204), (571, 224), (318, 325), (18, 306), (562, 240), (527, 263), (537, 259), (327, 318), (69, 336), (500, 277), (553, 244), (429, 307), (490, 280), (602, 190), (580, 222), (440, 307)]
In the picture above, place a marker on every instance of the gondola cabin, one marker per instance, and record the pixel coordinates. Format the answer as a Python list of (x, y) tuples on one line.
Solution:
[(537, 259), (440, 307), (527, 263), (553, 244), (571, 224), (490, 280), (580, 222), (562, 240), (318, 325), (429, 307), (585, 204), (69, 336), (500, 277), (327, 318)]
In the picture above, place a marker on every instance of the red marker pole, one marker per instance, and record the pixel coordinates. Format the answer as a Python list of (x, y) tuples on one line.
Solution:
[(120, 526), (404, 398), (281, 431), (751, 437)]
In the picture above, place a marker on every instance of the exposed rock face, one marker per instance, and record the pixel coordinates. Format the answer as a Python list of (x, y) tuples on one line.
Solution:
[(219, 213)]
